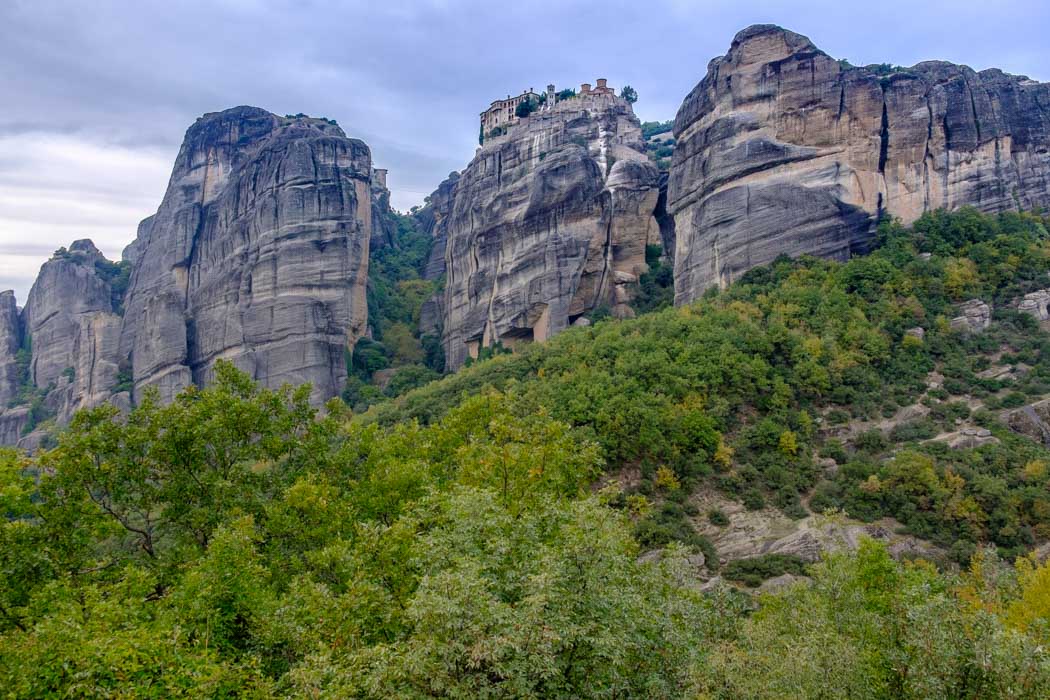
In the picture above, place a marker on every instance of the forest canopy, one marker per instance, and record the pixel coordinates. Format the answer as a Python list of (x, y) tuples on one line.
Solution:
[(475, 537)]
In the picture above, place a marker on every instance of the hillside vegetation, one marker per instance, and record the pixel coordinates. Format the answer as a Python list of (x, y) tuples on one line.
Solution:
[(743, 390), (472, 538)]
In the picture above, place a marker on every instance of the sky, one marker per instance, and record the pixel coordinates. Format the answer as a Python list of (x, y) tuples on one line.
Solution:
[(96, 96)]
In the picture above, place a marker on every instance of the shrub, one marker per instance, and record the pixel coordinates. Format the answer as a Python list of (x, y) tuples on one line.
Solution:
[(753, 571), (1014, 399), (922, 429)]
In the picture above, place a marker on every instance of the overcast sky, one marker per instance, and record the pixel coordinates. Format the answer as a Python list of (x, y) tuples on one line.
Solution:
[(95, 96)]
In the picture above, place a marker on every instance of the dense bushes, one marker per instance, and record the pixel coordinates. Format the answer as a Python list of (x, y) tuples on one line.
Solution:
[(741, 388), (453, 542), (396, 293), (755, 570)]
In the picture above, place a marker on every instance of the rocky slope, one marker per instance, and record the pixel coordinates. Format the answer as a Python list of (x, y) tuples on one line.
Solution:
[(783, 149), (257, 254), (546, 223)]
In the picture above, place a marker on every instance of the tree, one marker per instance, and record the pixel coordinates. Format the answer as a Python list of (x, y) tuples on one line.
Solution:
[(525, 108), (629, 93)]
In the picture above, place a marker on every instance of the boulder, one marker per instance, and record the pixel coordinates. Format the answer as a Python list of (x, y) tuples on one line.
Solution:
[(781, 149), (1032, 421), (974, 316), (968, 438), (1035, 304), (779, 583)]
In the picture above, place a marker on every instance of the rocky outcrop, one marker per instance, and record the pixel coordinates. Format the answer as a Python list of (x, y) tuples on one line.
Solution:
[(1035, 304), (753, 533), (13, 422), (974, 317), (1032, 421), (258, 254), (781, 149), (384, 222), (547, 223), (68, 289), (10, 343)]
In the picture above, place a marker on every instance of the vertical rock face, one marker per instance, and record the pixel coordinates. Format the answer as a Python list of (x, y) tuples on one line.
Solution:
[(74, 330), (547, 223), (258, 254), (68, 290), (433, 220), (384, 224), (10, 343), (783, 149)]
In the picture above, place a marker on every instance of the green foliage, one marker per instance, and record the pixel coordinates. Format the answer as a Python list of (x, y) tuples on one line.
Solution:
[(452, 542), (236, 544), (396, 294), (656, 286), (203, 548), (566, 94), (527, 107), (869, 627), (791, 343), (118, 274), (717, 517), (650, 129), (629, 93), (488, 352), (125, 380), (755, 570)]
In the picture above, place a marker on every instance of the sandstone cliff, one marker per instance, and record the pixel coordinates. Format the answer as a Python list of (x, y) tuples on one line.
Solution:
[(783, 149), (384, 223), (10, 343), (546, 223), (432, 219), (74, 330), (258, 254)]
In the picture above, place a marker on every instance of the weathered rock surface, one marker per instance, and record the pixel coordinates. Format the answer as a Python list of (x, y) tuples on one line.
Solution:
[(67, 288), (781, 149), (1032, 421), (10, 343), (768, 531), (433, 220), (547, 223), (384, 224), (74, 330), (12, 424), (1035, 304), (974, 317), (967, 438), (258, 254)]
